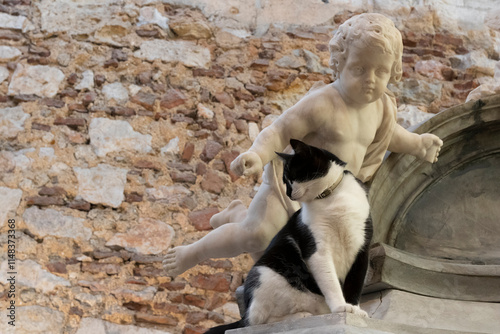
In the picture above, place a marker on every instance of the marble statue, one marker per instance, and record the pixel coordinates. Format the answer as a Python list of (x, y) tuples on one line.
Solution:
[(354, 117)]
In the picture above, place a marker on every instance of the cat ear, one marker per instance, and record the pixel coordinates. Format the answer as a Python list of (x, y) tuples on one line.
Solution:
[(299, 146), (284, 156)]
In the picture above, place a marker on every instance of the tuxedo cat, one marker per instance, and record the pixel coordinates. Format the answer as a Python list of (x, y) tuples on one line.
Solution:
[(317, 263)]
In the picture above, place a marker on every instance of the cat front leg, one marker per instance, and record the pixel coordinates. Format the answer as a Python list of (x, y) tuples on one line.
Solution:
[(323, 270)]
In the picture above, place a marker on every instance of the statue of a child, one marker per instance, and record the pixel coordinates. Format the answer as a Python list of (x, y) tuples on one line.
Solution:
[(354, 118)]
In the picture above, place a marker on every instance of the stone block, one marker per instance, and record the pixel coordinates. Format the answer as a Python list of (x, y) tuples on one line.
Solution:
[(51, 222), (39, 80), (149, 236), (103, 184)]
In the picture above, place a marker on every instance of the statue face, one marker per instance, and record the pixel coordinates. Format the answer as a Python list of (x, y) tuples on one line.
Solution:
[(365, 75)]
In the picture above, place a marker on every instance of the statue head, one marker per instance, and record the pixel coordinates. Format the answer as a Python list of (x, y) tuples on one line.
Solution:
[(368, 30)]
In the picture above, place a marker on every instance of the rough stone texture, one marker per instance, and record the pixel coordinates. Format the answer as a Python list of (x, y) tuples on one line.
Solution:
[(108, 136), (97, 326), (59, 117), (35, 320), (51, 222), (103, 184), (9, 201), (148, 237), (4, 74), (32, 275), (15, 22), (87, 81), (12, 122), (8, 53), (150, 15), (39, 80), (187, 53), (115, 91)]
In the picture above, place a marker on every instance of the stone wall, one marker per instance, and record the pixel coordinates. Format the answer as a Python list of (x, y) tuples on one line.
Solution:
[(119, 119)]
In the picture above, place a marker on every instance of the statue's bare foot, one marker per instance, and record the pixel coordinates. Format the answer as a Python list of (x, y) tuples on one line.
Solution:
[(178, 260), (234, 213)]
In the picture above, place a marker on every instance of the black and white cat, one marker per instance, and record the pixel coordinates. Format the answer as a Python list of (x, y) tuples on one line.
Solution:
[(317, 263)]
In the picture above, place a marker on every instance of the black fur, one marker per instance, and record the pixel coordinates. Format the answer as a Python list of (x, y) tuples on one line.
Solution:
[(286, 254), (223, 328)]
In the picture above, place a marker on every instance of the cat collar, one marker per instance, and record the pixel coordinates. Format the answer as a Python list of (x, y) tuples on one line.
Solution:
[(330, 189)]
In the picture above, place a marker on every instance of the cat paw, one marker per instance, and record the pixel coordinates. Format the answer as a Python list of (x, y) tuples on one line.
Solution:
[(354, 309)]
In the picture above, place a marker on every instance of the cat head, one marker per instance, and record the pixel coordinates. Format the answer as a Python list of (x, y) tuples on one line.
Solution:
[(309, 171)]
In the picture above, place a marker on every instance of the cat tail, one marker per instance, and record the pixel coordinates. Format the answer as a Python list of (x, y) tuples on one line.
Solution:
[(222, 329)]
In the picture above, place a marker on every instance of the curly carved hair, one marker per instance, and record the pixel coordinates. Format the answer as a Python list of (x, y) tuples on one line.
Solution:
[(373, 30)]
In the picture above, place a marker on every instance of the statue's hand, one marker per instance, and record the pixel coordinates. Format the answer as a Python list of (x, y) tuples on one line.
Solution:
[(431, 145), (247, 163)]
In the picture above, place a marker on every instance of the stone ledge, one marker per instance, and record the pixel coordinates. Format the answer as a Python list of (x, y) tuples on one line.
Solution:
[(339, 323), (394, 268)]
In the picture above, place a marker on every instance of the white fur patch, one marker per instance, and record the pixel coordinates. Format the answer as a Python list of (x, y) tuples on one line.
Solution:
[(275, 299), (338, 223)]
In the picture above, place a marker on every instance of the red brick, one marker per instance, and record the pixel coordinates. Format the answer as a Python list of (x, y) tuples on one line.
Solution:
[(256, 90), (193, 330), (57, 267), (44, 201), (241, 125), (172, 286), (96, 268), (172, 99), (111, 63), (138, 307), (201, 219), (210, 151), (148, 271), (243, 96), (39, 126), (212, 182), (88, 98), (183, 177), (218, 282), (99, 79), (145, 164), (211, 125), (145, 100), (194, 300), (133, 197), (72, 79), (122, 111), (217, 300), (56, 103), (196, 317), (187, 153), (54, 191), (214, 72), (80, 205), (156, 319), (171, 308), (70, 121), (225, 99), (78, 107), (260, 64)]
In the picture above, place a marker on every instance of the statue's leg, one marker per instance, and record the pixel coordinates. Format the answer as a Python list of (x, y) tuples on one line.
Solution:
[(266, 217), (236, 212)]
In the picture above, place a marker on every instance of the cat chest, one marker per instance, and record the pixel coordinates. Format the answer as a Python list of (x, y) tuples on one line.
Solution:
[(339, 236)]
